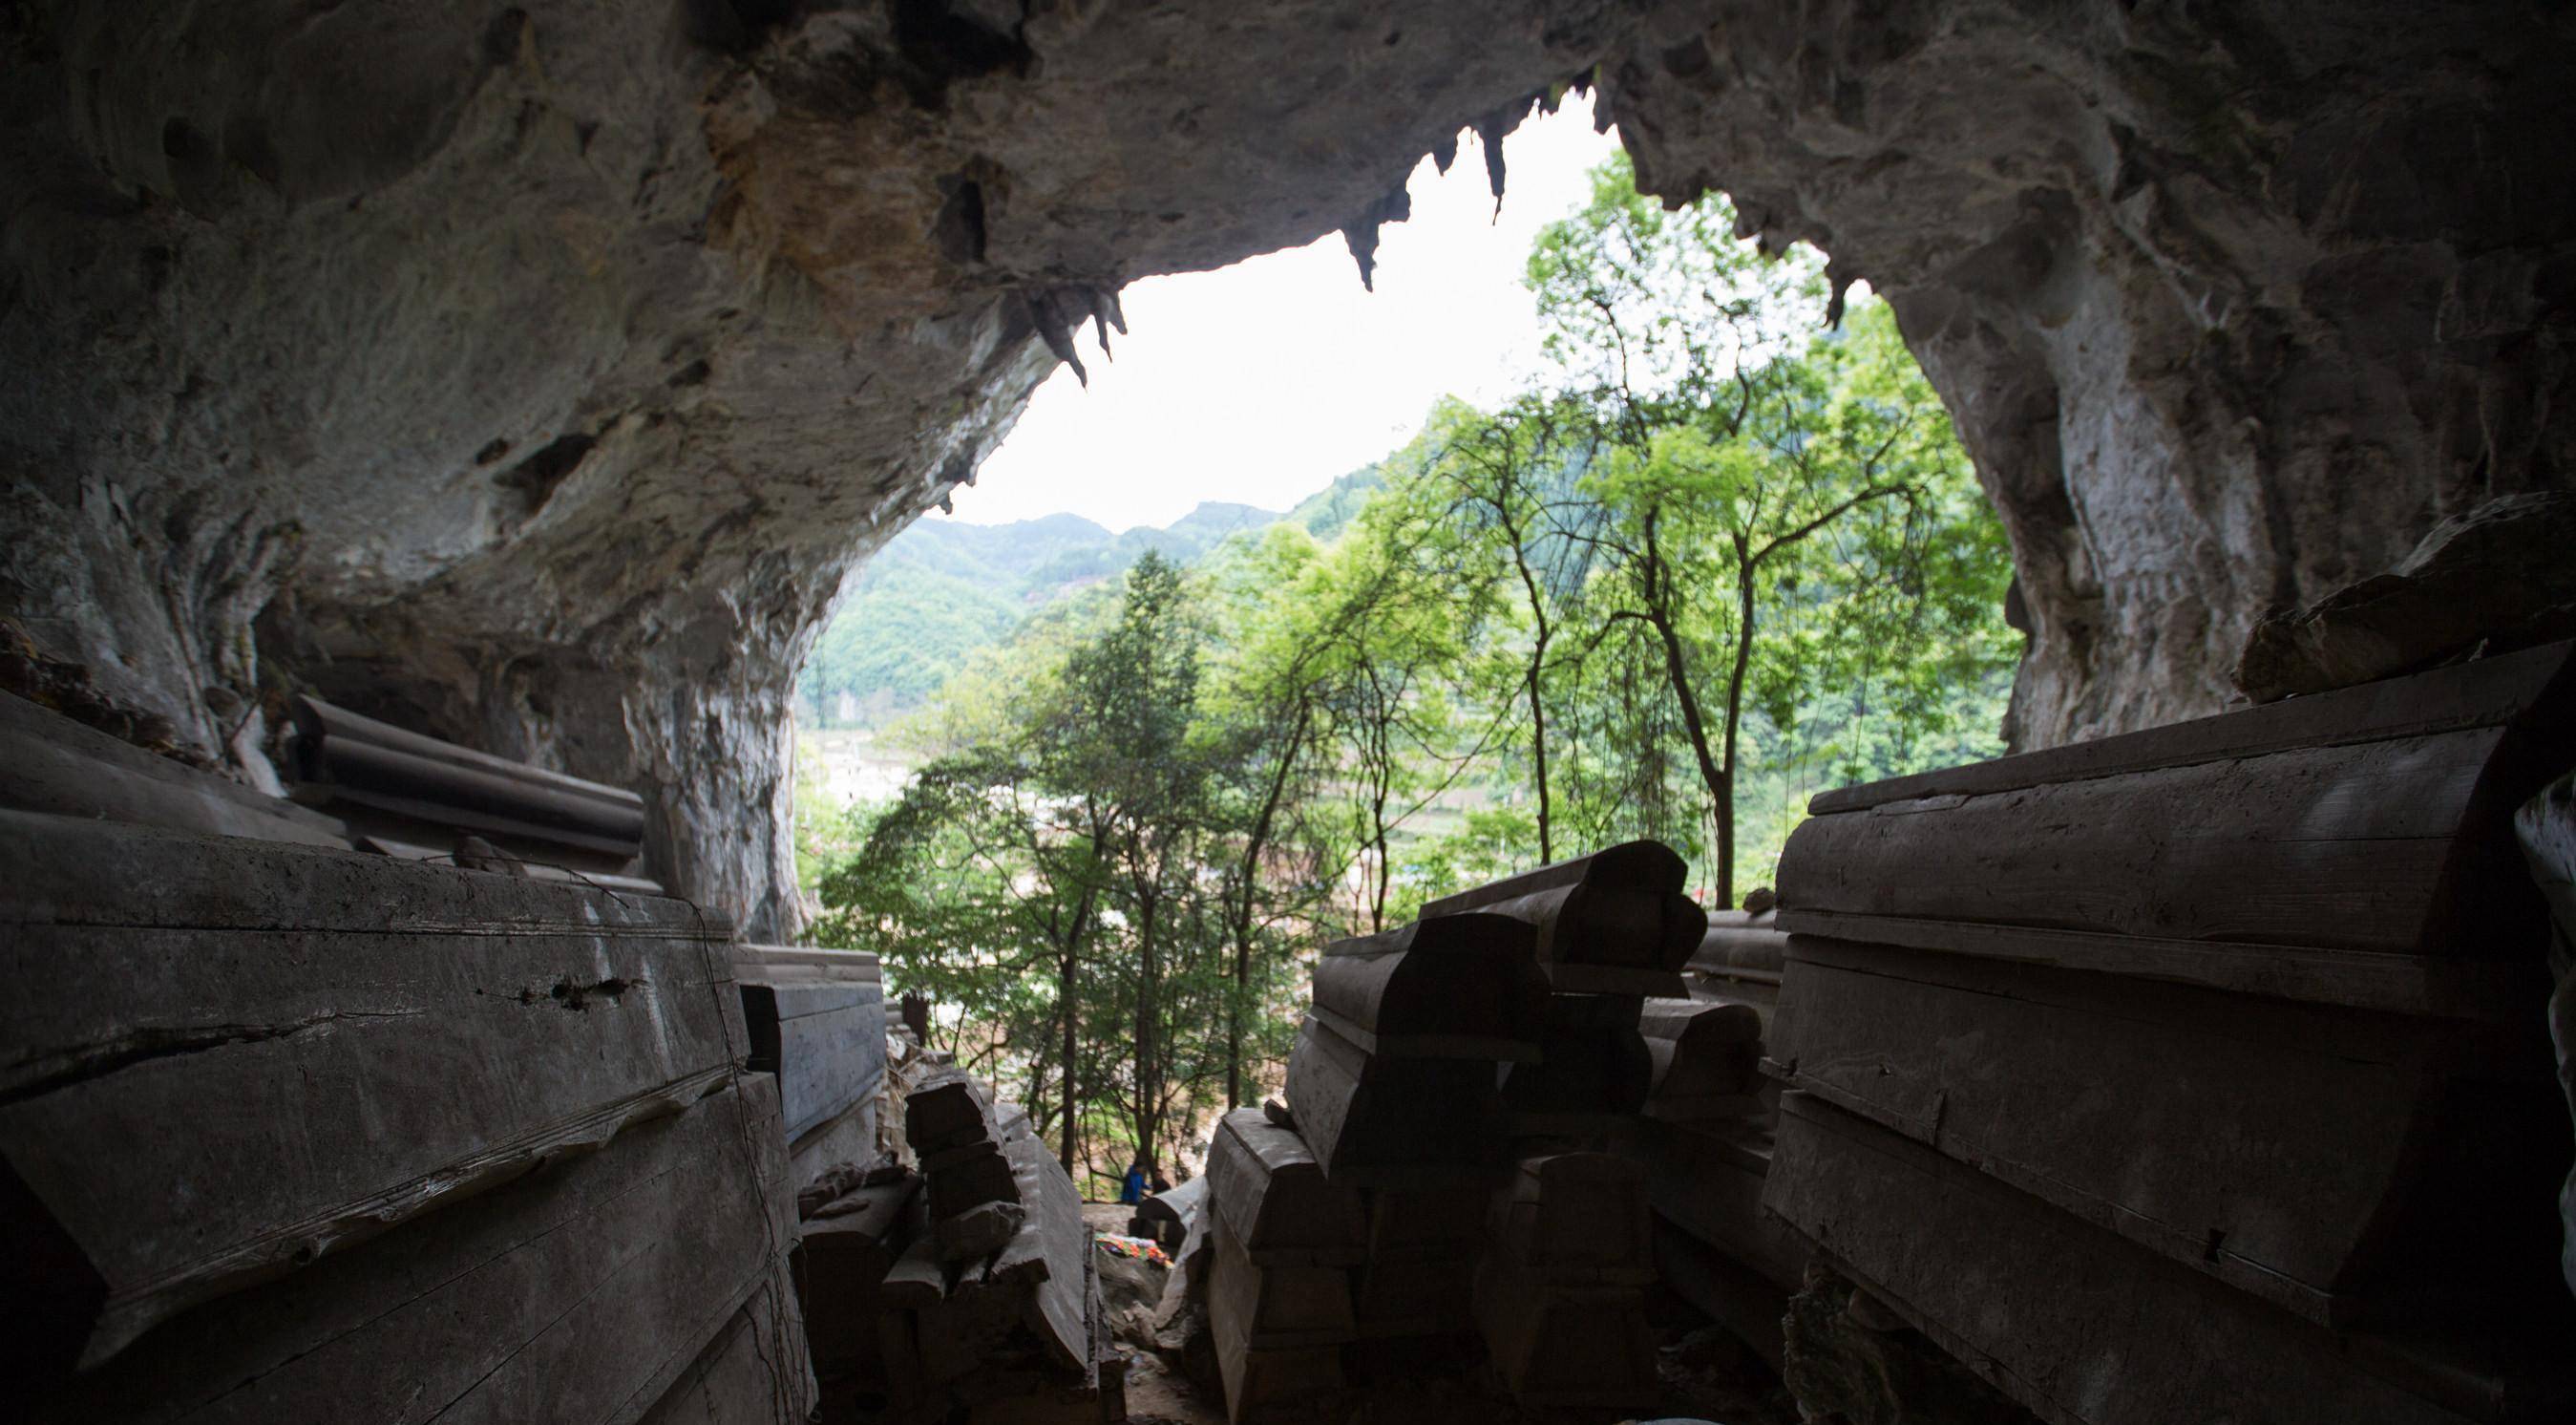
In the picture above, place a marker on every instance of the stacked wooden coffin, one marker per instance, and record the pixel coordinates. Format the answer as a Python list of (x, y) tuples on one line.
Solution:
[(1279, 1242), (1448, 1096), (2198, 1073), (962, 1290), (293, 1133), (1706, 1145), (1559, 1291), (816, 1020)]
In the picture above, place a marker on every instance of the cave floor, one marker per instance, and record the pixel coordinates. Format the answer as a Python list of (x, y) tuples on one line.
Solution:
[(1706, 1377)]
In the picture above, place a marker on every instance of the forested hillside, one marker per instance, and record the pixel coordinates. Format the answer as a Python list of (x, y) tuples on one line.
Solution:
[(1727, 552), (944, 589)]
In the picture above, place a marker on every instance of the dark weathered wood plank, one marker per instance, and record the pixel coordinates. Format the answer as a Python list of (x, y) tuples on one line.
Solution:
[(2490, 692), (1749, 1305), (579, 1294), (1592, 1072), (1392, 1297), (1442, 1223), (2344, 848), (2264, 1142), (1707, 1180), (825, 1042), (336, 1076), (2435, 987), (1280, 1306), (738, 1377), (1275, 1198), (2022, 1293)]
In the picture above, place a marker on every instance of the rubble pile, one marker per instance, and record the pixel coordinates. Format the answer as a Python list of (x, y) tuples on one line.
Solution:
[(1454, 1176)]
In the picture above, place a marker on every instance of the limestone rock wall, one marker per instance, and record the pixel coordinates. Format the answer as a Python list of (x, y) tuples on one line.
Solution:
[(2232, 303), (536, 373)]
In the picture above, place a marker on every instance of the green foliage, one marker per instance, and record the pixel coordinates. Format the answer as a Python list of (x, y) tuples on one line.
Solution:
[(1727, 555)]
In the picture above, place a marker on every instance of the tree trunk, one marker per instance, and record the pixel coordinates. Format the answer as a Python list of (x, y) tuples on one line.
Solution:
[(1537, 668), (1659, 615), (1147, 1080), (1734, 720), (1254, 844)]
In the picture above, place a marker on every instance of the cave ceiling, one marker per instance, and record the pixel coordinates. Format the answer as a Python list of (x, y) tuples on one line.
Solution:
[(537, 373)]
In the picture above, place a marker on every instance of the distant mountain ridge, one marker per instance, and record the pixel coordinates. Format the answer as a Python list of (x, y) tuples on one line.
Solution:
[(944, 588)]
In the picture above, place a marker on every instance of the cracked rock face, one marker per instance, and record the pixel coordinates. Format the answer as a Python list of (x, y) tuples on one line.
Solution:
[(2232, 303), (535, 374)]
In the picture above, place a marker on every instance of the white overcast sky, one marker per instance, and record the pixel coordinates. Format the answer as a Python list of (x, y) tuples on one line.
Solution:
[(1262, 382)]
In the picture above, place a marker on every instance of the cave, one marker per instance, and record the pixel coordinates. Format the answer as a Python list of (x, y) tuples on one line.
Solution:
[(534, 376)]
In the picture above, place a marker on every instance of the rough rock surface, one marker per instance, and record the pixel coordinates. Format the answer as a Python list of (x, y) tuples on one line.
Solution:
[(2232, 302), (2506, 569), (536, 373)]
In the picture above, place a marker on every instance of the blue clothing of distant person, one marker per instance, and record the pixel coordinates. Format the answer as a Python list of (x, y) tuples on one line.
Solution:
[(1132, 1189)]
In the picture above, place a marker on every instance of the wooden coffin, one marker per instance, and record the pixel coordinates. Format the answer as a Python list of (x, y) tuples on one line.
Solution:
[(1259, 1381), (1166, 1218), (1747, 1304), (1575, 1219), (2075, 1322), (825, 1042), (1436, 1223), (2256, 992), (49, 763), (1279, 1306), (1566, 1347), (232, 1057), (2350, 848), (1593, 1071), (1741, 943), (1398, 1296), (1705, 1054), (1462, 986), (1277, 1204), (736, 1377), (1707, 1178), (1613, 922), (1372, 1121), (583, 1292), (843, 1253), (2266, 1142), (347, 760)]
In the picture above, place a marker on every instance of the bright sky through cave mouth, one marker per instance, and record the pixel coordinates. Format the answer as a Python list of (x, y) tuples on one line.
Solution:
[(1260, 383)]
